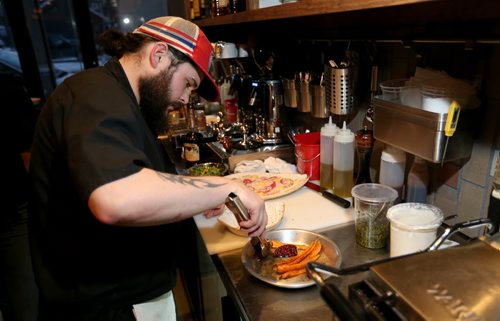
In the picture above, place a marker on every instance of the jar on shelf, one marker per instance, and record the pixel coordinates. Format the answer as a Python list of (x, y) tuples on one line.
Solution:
[(221, 7)]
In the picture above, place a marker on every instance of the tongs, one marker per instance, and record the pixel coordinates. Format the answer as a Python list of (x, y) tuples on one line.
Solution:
[(259, 244)]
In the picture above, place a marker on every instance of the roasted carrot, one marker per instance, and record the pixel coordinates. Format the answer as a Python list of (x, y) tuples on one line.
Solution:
[(292, 273), (300, 265)]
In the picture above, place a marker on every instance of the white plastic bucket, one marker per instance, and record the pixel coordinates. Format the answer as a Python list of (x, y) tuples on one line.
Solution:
[(413, 227)]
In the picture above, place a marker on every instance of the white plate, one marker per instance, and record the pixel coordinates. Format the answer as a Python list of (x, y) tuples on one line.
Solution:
[(275, 212), (299, 181), (263, 269)]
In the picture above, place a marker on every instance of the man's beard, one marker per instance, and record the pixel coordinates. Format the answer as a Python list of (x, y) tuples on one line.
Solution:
[(156, 96)]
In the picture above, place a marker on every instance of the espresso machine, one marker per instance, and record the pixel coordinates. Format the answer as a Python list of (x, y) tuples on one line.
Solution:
[(265, 103)]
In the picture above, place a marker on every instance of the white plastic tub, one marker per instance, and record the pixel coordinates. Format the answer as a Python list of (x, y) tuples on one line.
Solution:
[(413, 227)]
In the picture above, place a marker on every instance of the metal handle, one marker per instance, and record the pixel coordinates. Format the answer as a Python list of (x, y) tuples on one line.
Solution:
[(450, 230), (239, 210), (333, 296)]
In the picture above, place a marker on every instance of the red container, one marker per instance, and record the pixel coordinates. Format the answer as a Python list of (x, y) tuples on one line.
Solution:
[(307, 149)]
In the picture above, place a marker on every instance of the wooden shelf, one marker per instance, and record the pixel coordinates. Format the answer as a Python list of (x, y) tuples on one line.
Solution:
[(363, 18), (304, 8)]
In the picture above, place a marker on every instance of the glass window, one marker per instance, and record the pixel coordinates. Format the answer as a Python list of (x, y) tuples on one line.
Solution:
[(124, 16), (9, 59), (53, 47), (61, 38)]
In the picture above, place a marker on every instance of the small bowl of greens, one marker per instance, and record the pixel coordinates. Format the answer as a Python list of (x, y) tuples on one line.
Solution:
[(208, 169)]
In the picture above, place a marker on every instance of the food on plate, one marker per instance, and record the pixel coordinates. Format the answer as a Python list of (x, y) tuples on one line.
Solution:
[(286, 250), (270, 186), (296, 265)]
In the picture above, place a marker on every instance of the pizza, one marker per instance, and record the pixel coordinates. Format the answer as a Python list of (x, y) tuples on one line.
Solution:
[(270, 186)]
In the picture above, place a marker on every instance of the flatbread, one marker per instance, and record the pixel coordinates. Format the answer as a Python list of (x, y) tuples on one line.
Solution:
[(270, 186)]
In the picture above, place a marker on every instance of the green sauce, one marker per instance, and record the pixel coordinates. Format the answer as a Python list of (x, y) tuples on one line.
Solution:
[(372, 235)]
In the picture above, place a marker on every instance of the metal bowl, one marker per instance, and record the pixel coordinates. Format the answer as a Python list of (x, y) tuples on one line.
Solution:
[(208, 169), (263, 269)]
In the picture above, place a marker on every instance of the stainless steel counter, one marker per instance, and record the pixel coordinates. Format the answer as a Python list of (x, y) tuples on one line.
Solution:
[(256, 300)]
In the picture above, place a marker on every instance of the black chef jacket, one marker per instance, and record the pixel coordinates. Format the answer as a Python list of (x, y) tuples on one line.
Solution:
[(91, 132)]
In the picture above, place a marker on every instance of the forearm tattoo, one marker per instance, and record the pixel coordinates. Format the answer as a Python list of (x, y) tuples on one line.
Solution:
[(188, 180)]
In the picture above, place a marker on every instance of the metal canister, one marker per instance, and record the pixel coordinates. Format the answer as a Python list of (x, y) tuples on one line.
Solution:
[(290, 92), (319, 109), (305, 98), (339, 89)]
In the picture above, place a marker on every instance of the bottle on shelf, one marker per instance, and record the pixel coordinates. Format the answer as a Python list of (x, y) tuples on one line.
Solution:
[(193, 140), (364, 148), (417, 182), (237, 5), (195, 9), (220, 7), (392, 169), (343, 162), (326, 154)]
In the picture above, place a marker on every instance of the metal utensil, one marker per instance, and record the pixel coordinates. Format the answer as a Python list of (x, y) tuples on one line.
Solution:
[(260, 245)]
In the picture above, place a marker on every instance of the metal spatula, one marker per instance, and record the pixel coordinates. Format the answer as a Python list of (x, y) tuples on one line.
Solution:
[(260, 245)]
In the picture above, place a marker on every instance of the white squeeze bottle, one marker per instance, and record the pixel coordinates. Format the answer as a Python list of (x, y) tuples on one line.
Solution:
[(343, 162), (326, 154)]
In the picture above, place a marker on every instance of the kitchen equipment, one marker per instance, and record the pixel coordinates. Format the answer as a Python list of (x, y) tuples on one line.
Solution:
[(233, 156), (413, 227), (266, 98), (364, 148), (307, 154), (392, 169), (225, 50), (319, 109), (275, 212), (339, 89), (330, 196), (343, 161), (436, 99), (304, 101), (289, 92), (259, 245), (328, 132), (263, 269), (417, 181), (373, 91), (371, 202), (456, 283), (421, 133), (451, 124), (399, 90)]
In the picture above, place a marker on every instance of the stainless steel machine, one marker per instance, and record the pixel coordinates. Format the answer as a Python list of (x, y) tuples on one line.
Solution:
[(266, 98), (456, 283)]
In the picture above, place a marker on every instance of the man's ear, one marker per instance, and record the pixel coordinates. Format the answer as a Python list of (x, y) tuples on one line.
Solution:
[(158, 54)]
